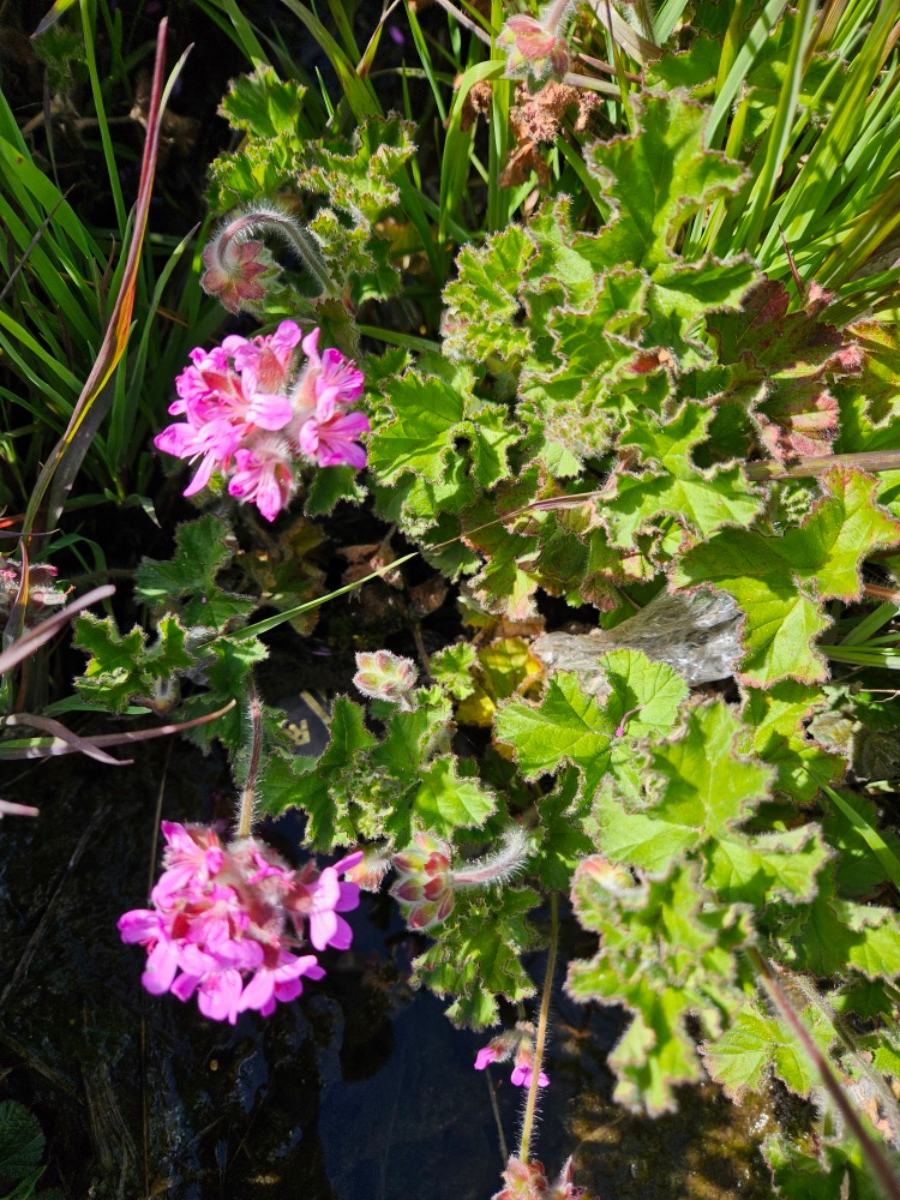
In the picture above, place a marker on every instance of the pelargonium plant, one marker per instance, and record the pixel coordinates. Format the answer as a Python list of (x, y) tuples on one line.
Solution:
[(254, 416), (228, 920)]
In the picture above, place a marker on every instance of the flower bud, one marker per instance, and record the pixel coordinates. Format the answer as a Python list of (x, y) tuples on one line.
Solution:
[(236, 271), (424, 885), (533, 51), (385, 676)]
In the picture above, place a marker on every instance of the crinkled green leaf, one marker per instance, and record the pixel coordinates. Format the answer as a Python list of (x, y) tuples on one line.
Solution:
[(452, 668), (783, 366), (754, 1045), (187, 581), (833, 934), (330, 485), (668, 952), (565, 842), (756, 868), (701, 791), (262, 105), (324, 787), (124, 668), (657, 178), (777, 716), (482, 306), (445, 801), (569, 726), (477, 957), (706, 500)]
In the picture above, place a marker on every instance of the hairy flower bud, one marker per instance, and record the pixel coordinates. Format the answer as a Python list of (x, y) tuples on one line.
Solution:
[(236, 272), (533, 50), (427, 883), (423, 885), (385, 676), (238, 265)]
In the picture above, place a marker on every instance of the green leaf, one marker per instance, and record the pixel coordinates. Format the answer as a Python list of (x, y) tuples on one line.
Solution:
[(330, 485), (657, 178), (323, 787), (445, 802), (262, 105), (452, 668), (833, 934), (780, 582), (426, 413), (21, 1141), (562, 823), (753, 1046), (757, 868), (668, 952), (122, 668), (477, 957), (706, 500), (783, 366), (777, 716), (567, 727), (482, 307), (203, 548)]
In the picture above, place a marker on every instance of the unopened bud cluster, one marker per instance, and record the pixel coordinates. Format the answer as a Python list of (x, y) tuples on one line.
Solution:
[(239, 267), (381, 675), (427, 883), (533, 52)]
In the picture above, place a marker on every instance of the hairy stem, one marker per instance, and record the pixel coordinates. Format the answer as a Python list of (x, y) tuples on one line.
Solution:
[(531, 1102), (245, 814)]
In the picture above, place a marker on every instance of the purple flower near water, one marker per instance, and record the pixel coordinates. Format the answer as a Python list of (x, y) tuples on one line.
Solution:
[(516, 1044), (228, 921), (253, 415)]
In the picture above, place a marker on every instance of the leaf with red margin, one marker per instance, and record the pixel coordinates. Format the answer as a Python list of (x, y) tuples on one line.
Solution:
[(782, 364)]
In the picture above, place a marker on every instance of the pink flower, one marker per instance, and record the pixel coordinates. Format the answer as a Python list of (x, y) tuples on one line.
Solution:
[(279, 982), (238, 396), (516, 1044), (332, 442), (328, 381), (317, 897), (226, 921), (263, 478), (485, 1056)]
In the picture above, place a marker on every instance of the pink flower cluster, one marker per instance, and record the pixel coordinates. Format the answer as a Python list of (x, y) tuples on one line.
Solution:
[(252, 416), (227, 919)]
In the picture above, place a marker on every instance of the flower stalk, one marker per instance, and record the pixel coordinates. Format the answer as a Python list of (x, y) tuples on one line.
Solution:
[(248, 796), (543, 1021)]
